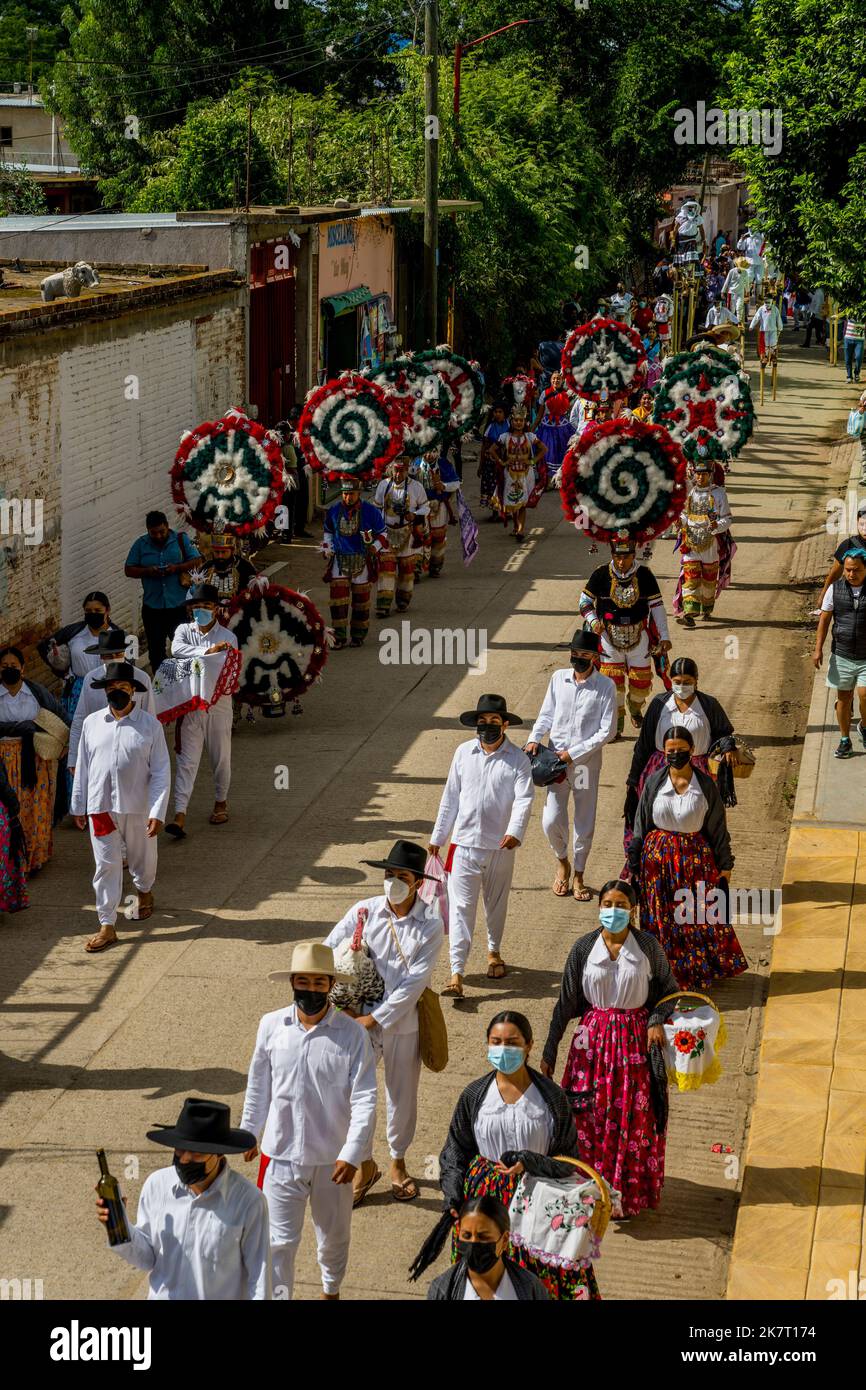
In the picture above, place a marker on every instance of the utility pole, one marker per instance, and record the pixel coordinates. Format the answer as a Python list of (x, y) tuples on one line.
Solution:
[(431, 171), (249, 151)]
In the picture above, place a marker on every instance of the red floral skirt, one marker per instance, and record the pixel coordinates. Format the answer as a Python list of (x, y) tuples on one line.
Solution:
[(564, 1285), (699, 952), (607, 1078), (13, 884)]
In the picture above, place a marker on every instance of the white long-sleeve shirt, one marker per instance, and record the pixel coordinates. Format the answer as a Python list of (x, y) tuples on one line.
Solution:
[(212, 1246), (580, 716), (90, 701), (487, 796), (717, 315), (420, 935), (769, 321), (410, 496), (189, 640), (312, 1090), (123, 766)]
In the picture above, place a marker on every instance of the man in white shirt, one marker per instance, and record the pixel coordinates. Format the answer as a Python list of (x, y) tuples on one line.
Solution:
[(620, 304), (312, 1090), (404, 505), (817, 322), (112, 645), (121, 786), (403, 937), (580, 715), (204, 728), (768, 321), (202, 1229), (485, 809), (718, 314)]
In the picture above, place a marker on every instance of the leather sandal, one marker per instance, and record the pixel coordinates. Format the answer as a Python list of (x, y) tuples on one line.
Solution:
[(101, 942)]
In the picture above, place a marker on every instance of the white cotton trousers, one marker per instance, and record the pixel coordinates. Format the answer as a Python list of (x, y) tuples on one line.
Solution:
[(130, 838), (581, 788), (400, 1054), (487, 872), (288, 1188), (210, 729)]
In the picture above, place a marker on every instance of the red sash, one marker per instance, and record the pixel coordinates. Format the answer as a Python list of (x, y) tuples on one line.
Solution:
[(263, 1168), (102, 824)]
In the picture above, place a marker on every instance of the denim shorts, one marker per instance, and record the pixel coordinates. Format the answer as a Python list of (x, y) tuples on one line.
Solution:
[(844, 674)]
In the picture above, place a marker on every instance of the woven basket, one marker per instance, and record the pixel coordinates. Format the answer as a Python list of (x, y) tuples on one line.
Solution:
[(742, 768)]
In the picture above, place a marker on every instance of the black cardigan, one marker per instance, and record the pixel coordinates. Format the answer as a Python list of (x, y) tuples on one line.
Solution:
[(452, 1284), (645, 746), (714, 828), (460, 1146)]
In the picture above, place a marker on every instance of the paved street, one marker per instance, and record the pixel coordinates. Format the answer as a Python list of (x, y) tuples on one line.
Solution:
[(95, 1050)]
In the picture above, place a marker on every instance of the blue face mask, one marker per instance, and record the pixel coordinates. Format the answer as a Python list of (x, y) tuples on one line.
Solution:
[(614, 919), (203, 616), (506, 1059)]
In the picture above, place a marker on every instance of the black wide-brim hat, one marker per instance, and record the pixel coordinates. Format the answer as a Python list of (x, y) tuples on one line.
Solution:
[(403, 855), (204, 1127), (203, 593), (112, 639), (490, 704), (585, 641), (119, 671)]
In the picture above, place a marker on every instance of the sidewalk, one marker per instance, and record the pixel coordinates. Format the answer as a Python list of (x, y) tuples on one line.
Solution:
[(801, 1228)]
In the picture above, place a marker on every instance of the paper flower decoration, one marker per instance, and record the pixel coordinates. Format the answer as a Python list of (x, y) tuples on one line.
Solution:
[(623, 478), (282, 642), (603, 360), (705, 402), (228, 476), (424, 399), (350, 426), (463, 381)]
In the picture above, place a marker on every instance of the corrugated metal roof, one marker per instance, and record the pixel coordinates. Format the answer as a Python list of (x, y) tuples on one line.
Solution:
[(101, 221)]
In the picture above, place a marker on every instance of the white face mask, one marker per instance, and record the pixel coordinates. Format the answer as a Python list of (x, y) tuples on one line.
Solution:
[(682, 692), (396, 891)]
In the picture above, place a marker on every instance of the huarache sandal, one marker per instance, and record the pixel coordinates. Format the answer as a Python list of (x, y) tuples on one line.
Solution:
[(145, 907), (405, 1191), (561, 885), (105, 937), (582, 894), (361, 1192), (454, 990), (175, 828), (495, 968), (220, 814)]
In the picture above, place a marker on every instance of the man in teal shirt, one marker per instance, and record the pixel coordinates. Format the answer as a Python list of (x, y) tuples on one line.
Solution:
[(159, 559)]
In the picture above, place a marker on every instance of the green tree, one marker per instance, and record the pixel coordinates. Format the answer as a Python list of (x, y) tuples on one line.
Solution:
[(15, 47), (20, 194), (810, 198)]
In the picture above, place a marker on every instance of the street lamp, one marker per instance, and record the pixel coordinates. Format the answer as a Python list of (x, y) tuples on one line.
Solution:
[(459, 50)]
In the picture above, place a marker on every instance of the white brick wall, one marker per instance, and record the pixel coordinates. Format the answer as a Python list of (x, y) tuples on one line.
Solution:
[(97, 446)]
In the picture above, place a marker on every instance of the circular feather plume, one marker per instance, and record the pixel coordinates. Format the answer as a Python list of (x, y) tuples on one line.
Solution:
[(705, 403), (604, 360), (463, 382), (227, 476), (424, 399), (350, 426), (282, 642), (623, 477)]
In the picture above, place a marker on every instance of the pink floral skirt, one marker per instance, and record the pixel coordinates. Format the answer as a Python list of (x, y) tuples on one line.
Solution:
[(607, 1078)]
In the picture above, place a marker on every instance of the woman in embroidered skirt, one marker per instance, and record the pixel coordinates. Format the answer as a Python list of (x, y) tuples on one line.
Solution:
[(553, 427), (615, 1075), (680, 858), (510, 1121), (13, 851), (487, 473), (33, 779), (700, 713)]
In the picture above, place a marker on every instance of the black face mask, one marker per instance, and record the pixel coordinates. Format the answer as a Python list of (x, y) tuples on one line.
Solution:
[(190, 1173), (678, 758), (310, 1001), (10, 675), (118, 699), (480, 1255), (489, 733), (94, 621), (581, 663)]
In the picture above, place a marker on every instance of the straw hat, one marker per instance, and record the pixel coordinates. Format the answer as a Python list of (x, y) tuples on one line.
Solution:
[(310, 958)]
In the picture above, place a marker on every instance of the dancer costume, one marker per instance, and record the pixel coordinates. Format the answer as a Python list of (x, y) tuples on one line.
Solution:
[(555, 429), (354, 538), (405, 508), (627, 612), (705, 553)]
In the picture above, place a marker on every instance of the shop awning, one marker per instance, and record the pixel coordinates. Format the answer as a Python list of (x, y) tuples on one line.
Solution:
[(336, 304)]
